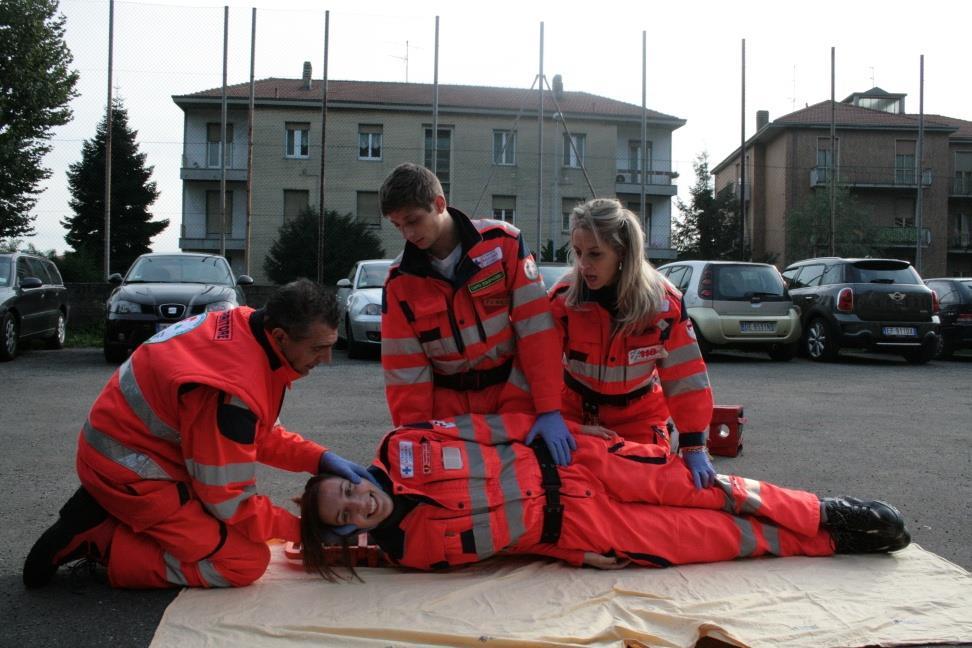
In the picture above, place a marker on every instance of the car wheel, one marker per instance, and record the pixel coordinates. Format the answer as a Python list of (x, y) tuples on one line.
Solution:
[(356, 350), (115, 353), (56, 341), (819, 342), (704, 345), (8, 337), (944, 349), (782, 352)]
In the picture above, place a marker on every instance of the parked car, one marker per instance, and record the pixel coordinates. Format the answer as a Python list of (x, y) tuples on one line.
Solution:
[(874, 304), (33, 303), (161, 289), (733, 304), (552, 272), (955, 301), (359, 304)]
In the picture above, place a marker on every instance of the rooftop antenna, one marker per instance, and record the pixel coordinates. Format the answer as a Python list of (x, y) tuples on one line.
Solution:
[(403, 58), (793, 98), (872, 77)]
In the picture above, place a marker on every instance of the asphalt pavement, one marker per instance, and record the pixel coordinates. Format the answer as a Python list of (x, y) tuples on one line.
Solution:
[(868, 425)]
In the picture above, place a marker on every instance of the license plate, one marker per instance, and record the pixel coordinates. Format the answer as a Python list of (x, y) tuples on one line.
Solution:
[(900, 331), (757, 327), (162, 325)]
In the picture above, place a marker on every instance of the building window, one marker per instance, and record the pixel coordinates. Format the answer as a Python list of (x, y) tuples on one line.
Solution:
[(214, 223), (567, 206), (296, 202), (213, 132), (825, 158), (963, 173), (367, 211), (904, 162), (504, 208), (631, 171), (504, 147), (298, 140), (369, 142), (443, 157), (904, 212), (574, 152)]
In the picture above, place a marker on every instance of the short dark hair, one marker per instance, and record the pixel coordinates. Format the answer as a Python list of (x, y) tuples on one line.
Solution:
[(409, 185), (296, 306)]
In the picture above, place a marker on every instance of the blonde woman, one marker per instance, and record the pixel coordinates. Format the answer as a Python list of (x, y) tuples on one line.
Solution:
[(630, 355)]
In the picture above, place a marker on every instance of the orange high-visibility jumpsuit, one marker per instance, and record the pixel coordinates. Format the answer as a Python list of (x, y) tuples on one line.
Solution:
[(483, 342), (467, 488), (170, 449), (632, 384)]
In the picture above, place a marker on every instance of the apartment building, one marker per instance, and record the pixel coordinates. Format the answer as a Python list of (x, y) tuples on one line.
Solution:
[(875, 158), (488, 158)]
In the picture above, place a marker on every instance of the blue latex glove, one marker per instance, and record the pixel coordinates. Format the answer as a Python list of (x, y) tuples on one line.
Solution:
[(334, 463), (551, 427), (703, 474)]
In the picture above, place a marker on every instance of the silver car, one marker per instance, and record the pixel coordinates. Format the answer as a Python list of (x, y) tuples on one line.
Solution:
[(740, 305), (359, 303)]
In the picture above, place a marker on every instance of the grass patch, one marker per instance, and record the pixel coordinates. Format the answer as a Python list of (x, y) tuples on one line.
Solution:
[(91, 335)]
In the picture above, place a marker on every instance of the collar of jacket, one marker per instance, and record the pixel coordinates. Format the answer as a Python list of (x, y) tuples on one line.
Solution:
[(416, 261), (607, 297), (275, 357)]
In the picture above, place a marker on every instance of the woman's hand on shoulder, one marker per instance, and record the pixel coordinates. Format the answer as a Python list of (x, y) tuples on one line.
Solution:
[(600, 561)]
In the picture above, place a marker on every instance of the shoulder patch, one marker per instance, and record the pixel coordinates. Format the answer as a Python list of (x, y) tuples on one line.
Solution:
[(180, 327), (224, 327)]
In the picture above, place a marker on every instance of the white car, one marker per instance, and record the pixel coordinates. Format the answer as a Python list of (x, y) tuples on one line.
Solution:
[(359, 304)]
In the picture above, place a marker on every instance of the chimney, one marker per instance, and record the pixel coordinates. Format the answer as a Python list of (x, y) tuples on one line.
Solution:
[(558, 87), (762, 119), (307, 76)]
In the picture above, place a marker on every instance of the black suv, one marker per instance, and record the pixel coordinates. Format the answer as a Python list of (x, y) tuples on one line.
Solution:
[(955, 297), (33, 303), (870, 304)]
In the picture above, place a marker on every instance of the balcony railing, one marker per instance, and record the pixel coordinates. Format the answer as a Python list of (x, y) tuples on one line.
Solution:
[(960, 240), (870, 176), (901, 236), (629, 176), (205, 155), (962, 184)]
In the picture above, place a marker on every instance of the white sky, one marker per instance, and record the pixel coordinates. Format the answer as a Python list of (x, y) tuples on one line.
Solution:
[(167, 48)]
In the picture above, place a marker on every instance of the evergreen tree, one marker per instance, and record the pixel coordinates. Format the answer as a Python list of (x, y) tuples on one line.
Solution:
[(808, 227), (36, 85), (294, 253), (132, 192), (709, 227)]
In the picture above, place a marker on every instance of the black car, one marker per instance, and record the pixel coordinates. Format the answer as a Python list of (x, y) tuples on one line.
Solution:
[(869, 304), (162, 289), (955, 299), (33, 303)]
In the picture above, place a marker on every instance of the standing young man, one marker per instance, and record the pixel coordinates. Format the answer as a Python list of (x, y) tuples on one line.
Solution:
[(466, 326)]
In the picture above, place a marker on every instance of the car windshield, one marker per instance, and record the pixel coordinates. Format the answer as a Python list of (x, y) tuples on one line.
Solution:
[(552, 273), (734, 282), (181, 269), (5, 274), (373, 275), (883, 272)]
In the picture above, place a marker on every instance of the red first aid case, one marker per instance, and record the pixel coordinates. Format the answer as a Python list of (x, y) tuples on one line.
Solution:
[(726, 430)]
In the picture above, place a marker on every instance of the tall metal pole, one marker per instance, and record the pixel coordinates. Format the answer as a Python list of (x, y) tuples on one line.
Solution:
[(320, 197), (539, 248), (919, 171), (435, 105), (108, 120), (643, 156), (249, 144), (742, 160), (833, 153), (222, 141)]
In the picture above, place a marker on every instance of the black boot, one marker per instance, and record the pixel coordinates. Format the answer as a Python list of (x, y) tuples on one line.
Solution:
[(67, 539), (856, 542), (848, 514)]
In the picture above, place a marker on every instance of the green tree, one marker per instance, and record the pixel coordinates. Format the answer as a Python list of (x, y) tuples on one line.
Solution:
[(709, 227), (294, 253), (808, 226), (36, 85), (548, 254), (132, 193)]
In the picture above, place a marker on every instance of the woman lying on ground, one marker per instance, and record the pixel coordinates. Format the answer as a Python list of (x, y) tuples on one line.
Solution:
[(461, 490)]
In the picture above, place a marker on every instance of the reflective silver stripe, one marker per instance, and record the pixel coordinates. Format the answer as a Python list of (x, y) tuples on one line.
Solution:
[(747, 537), (221, 475), (503, 350), (173, 570), (440, 347), (227, 509), (662, 324), (492, 326), (479, 503), (517, 379), (236, 401), (536, 324), (690, 383), (136, 400), (528, 293), (210, 576), (464, 426), (483, 534), (680, 355), (753, 501), (772, 535), (509, 484), (623, 374), (408, 376), (110, 448), (449, 367), (725, 483), (400, 346)]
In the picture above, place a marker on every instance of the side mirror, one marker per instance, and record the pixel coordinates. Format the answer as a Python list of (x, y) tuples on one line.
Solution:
[(244, 280), (30, 282), (344, 283), (115, 279)]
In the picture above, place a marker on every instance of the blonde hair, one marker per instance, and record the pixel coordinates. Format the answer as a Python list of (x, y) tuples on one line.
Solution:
[(641, 289)]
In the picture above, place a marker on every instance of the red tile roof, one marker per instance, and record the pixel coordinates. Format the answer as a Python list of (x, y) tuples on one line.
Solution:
[(850, 116), (420, 94)]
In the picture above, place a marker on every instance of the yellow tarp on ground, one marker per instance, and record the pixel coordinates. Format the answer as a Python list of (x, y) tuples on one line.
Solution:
[(913, 596)]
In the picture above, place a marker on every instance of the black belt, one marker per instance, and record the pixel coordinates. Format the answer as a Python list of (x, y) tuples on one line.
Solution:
[(597, 398), (553, 510), (474, 379)]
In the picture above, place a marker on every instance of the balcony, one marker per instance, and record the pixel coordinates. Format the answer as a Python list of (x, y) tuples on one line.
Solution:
[(960, 242), (658, 183), (209, 244), (870, 177), (900, 237), (962, 184), (202, 162)]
